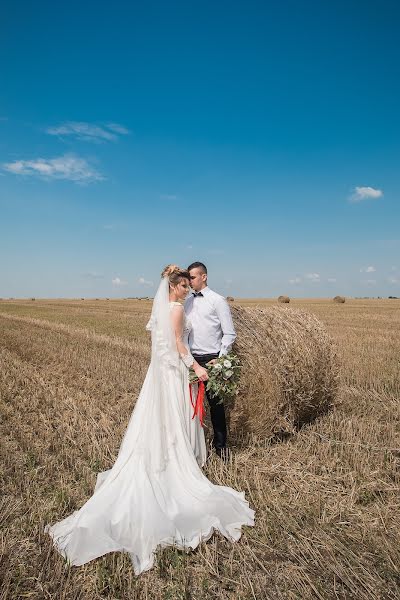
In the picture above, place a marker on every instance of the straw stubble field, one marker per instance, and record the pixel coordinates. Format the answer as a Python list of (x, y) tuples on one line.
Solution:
[(326, 498)]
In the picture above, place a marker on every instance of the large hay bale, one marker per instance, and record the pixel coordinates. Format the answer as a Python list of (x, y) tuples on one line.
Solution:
[(290, 371), (339, 299), (230, 299), (284, 299)]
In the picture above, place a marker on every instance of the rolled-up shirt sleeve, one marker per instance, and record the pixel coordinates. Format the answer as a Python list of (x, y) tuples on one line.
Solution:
[(228, 329)]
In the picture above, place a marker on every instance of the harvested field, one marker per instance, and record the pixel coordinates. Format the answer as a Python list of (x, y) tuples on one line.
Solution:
[(326, 498)]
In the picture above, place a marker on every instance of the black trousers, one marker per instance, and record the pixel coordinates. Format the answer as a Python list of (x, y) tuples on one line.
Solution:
[(217, 411)]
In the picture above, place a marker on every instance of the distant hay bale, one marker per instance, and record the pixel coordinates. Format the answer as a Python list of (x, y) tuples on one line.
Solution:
[(339, 299), (33, 299), (230, 299), (289, 371), (284, 299)]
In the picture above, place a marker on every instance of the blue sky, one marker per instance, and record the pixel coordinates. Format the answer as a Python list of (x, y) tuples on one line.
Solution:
[(260, 138)]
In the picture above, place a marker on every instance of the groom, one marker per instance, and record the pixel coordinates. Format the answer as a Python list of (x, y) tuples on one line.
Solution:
[(212, 335)]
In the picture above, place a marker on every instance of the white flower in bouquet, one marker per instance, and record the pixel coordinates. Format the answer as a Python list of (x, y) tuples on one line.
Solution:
[(223, 377)]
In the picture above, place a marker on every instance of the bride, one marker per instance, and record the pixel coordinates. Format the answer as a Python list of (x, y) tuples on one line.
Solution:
[(156, 494)]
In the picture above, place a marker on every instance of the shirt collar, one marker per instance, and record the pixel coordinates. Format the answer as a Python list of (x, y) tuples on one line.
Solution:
[(205, 291)]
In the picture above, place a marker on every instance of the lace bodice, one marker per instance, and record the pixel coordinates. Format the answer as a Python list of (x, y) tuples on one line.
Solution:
[(187, 325)]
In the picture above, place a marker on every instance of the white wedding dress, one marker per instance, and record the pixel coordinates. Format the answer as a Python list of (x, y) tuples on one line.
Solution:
[(155, 494)]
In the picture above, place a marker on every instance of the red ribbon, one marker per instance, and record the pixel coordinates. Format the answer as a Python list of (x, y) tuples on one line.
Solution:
[(198, 406)]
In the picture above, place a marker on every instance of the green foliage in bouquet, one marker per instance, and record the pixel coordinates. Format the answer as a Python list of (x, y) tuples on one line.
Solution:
[(223, 377)]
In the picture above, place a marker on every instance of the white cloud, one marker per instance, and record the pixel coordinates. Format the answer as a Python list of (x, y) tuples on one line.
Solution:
[(315, 277), (369, 269), (295, 280), (393, 280), (118, 128), (144, 281), (168, 197), (88, 132), (69, 167), (332, 280), (393, 268), (370, 281), (363, 193), (119, 282)]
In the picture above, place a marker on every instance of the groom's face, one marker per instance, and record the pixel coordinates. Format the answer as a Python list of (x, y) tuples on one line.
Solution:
[(198, 279)]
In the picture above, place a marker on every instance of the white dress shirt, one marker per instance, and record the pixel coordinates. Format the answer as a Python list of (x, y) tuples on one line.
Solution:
[(212, 330)]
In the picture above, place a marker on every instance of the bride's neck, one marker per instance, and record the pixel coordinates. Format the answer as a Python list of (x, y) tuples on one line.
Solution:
[(173, 297)]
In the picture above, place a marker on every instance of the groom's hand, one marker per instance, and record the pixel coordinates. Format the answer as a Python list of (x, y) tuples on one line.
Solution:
[(212, 361)]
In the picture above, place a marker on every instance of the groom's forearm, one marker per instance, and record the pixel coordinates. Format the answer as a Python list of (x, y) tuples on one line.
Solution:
[(226, 343)]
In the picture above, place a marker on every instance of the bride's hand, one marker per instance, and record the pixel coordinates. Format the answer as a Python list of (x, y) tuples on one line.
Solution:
[(201, 373)]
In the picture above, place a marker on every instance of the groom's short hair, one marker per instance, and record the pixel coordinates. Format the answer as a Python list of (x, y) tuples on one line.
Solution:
[(198, 265)]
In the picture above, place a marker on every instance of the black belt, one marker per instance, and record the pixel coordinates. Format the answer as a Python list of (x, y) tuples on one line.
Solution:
[(205, 357)]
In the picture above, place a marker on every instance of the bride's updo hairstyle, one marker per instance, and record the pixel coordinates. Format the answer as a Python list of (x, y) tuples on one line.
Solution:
[(175, 274)]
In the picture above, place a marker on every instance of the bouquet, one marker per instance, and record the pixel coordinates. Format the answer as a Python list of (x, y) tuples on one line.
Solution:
[(223, 377)]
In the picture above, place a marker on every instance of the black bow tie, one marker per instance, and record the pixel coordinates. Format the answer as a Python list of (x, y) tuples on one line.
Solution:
[(197, 294)]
